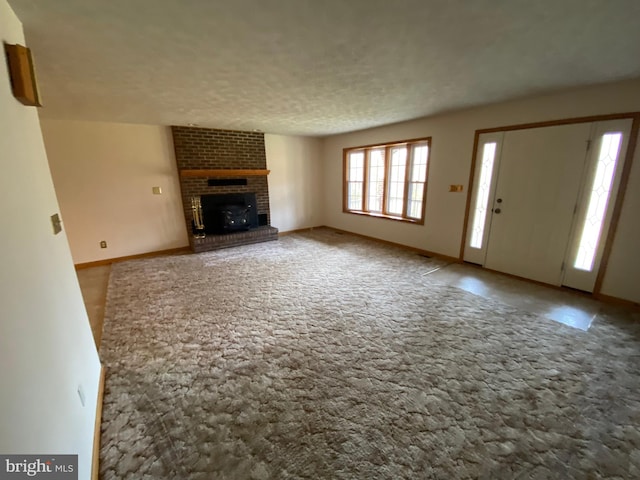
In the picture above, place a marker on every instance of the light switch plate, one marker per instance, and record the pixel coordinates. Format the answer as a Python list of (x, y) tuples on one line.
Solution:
[(56, 223), (157, 190)]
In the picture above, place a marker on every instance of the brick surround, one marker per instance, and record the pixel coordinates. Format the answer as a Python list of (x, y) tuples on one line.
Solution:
[(211, 149)]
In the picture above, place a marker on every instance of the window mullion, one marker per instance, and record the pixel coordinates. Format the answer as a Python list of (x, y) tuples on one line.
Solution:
[(365, 180), (345, 191), (407, 178), (387, 176)]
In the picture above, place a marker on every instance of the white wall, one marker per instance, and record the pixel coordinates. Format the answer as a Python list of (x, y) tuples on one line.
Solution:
[(295, 181), (622, 277), (104, 174), (452, 136), (46, 346)]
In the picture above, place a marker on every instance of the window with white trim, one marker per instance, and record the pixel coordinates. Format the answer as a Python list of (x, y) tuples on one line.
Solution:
[(387, 181)]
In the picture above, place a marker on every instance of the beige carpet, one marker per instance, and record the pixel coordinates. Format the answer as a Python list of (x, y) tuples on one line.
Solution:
[(323, 356)]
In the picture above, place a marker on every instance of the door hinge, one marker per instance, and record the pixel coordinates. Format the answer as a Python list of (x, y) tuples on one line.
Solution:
[(588, 145), (575, 208), (562, 267)]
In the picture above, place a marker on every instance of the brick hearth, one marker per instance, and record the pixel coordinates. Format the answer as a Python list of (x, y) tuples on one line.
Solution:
[(214, 242)]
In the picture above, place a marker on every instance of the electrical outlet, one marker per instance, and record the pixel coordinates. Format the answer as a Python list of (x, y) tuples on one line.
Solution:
[(103, 244), (81, 394)]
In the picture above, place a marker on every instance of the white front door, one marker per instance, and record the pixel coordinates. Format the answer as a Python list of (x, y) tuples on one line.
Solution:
[(537, 187)]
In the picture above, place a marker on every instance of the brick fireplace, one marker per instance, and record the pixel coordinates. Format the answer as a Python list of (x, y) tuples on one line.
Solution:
[(201, 155)]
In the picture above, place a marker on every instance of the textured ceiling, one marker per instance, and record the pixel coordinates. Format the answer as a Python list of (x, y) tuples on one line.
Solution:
[(316, 67)]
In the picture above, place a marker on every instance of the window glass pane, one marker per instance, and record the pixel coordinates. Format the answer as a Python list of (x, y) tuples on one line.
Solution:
[(416, 192), (396, 205), (418, 178), (397, 175), (355, 175), (356, 166), (375, 188), (355, 196), (419, 164), (598, 200), (482, 195)]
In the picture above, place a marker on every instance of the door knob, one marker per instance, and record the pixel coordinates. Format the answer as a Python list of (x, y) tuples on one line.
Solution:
[(499, 200), (497, 210)]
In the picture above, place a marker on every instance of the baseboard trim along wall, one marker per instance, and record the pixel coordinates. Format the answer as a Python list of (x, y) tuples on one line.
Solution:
[(297, 230), (95, 462), (617, 301), (109, 261), (400, 245)]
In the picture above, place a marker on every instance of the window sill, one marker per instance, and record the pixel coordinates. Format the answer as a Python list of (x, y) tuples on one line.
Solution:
[(386, 217)]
